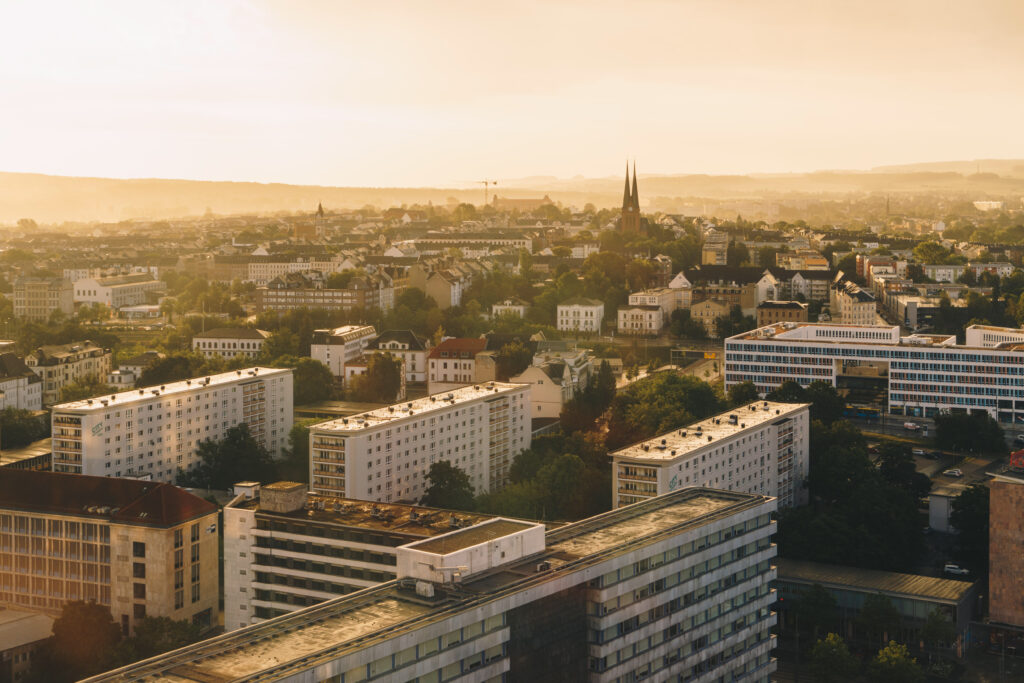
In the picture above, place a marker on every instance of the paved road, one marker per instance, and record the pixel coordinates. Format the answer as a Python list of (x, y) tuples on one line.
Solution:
[(892, 425)]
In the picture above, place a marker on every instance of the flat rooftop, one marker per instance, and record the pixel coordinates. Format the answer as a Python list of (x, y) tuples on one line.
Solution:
[(19, 628), (708, 432), (33, 450), (426, 405), (467, 538), (170, 389), (398, 518), (302, 640), (874, 580)]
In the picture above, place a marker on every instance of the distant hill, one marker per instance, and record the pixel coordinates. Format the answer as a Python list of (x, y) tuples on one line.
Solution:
[(56, 199)]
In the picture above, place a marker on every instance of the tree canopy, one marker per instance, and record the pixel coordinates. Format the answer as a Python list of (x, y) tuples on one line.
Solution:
[(448, 486), (222, 464), (381, 381)]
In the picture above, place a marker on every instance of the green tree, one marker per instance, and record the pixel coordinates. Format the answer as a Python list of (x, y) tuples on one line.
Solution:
[(512, 359), (931, 253), (817, 610), (312, 381), (280, 343), (657, 404), (87, 387), (896, 465), (969, 433), (893, 664), (83, 642), (19, 427), (970, 518), (381, 381), (831, 661), (826, 403), (448, 487), (295, 466), (154, 636), (938, 630), (737, 254), (878, 618), (237, 457), (173, 368), (743, 393)]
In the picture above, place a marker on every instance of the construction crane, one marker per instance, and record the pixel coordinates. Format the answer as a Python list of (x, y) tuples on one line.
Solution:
[(485, 183)]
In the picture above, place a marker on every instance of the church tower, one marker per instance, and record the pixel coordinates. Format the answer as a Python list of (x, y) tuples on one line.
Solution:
[(630, 205)]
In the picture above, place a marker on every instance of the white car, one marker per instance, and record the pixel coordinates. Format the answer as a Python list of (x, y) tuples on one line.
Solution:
[(955, 472), (955, 569)]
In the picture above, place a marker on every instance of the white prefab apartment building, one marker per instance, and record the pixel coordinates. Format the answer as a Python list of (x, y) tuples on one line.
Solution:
[(153, 432), (759, 448), (924, 373), (677, 588), (384, 455), (334, 348)]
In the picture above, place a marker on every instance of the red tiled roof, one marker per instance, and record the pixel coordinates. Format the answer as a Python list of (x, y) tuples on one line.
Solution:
[(129, 501), (472, 346)]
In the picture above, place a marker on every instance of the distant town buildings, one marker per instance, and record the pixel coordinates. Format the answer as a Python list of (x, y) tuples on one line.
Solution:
[(580, 314), (407, 347), (630, 223), (452, 364), (152, 433), (37, 298), (117, 291), (20, 387), (771, 312), (336, 347)]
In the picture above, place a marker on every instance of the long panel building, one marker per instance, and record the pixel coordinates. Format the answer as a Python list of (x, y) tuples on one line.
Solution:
[(762, 447), (384, 454), (922, 373), (153, 432), (678, 587)]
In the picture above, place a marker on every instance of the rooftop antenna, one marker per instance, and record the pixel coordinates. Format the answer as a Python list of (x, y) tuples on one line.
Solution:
[(485, 183)]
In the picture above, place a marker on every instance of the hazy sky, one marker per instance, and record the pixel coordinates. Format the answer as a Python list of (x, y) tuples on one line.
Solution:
[(437, 92)]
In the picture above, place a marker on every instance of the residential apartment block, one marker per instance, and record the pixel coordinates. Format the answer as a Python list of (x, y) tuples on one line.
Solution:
[(362, 293), (19, 386), (334, 348), (407, 347), (63, 364), (762, 447), (153, 432), (580, 314), (286, 549), (228, 342), (37, 298), (452, 364), (852, 305), (384, 455), (674, 588), (139, 548), (923, 374), (769, 312)]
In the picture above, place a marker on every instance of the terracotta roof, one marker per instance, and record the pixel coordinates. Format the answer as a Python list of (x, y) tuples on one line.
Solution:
[(460, 346), (126, 501), (233, 333)]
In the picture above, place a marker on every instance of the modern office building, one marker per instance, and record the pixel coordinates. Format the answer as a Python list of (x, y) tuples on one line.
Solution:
[(229, 342), (384, 455), (760, 448), (922, 374), (335, 347), (674, 588), (63, 364), (37, 298), (286, 549), (154, 432), (139, 548)]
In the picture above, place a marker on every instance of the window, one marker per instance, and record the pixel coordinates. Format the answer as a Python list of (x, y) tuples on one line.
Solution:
[(140, 591), (140, 611), (139, 570), (138, 549)]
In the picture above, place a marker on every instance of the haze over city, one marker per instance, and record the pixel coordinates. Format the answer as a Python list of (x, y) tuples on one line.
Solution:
[(445, 94)]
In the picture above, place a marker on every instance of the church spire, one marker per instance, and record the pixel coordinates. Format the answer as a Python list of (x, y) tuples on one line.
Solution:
[(635, 193), (627, 201)]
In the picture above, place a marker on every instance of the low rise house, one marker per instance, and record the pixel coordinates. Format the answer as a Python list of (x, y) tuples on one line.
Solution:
[(580, 314), (228, 342), (452, 364), (20, 387), (336, 347), (406, 346), (770, 312)]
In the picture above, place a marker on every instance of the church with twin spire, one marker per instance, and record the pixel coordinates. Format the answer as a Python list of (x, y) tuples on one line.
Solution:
[(630, 222)]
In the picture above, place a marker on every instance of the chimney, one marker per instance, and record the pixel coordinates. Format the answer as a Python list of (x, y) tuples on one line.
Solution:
[(283, 497)]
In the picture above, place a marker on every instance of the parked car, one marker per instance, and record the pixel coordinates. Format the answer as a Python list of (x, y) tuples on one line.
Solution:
[(955, 472), (917, 451), (912, 426), (951, 568)]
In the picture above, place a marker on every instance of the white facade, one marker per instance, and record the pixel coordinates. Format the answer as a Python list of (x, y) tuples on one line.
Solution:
[(762, 447), (154, 432), (228, 343), (334, 348), (385, 454), (641, 320), (514, 307), (24, 392), (116, 292), (989, 336), (580, 315), (926, 373), (405, 346)]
